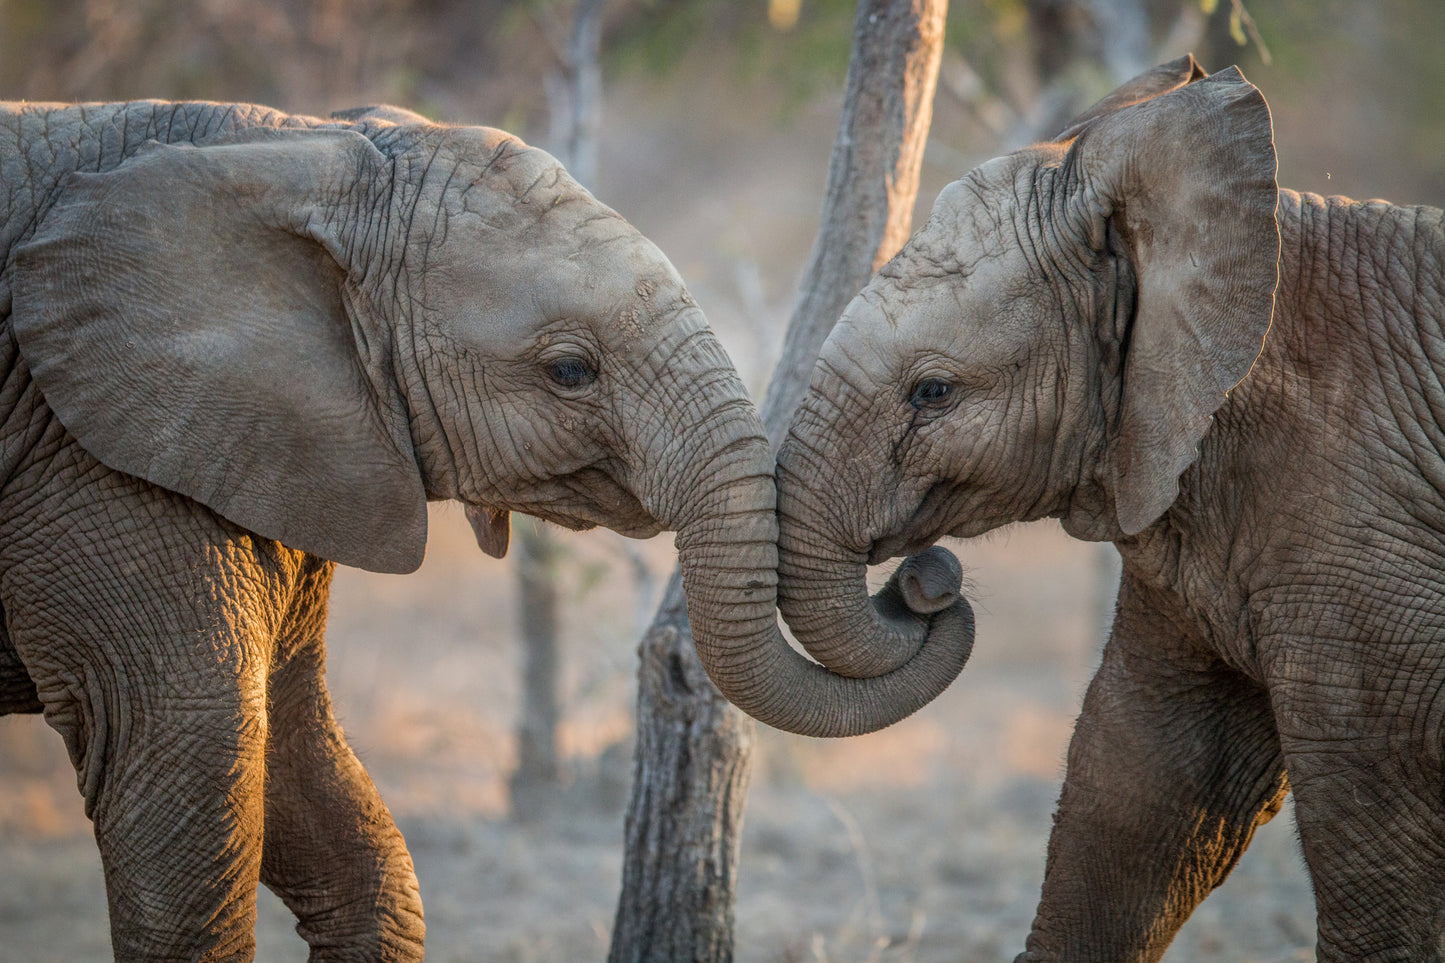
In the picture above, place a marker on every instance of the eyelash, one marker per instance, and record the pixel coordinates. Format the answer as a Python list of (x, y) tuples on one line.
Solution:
[(571, 372), (930, 393)]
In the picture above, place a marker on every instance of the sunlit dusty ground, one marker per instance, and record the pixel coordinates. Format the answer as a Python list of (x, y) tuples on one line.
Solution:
[(921, 843)]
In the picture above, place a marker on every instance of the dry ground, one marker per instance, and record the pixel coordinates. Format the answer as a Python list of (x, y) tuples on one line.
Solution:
[(921, 843)]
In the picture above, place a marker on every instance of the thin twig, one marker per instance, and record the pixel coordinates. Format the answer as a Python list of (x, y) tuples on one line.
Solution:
[(1241, 16)]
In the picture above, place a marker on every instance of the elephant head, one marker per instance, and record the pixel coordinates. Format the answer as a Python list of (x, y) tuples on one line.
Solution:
[(1053, 343), (314, 329)]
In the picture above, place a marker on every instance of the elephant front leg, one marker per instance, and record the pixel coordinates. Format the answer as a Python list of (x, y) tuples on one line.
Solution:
[(1365, 766), (180, 840), (172, 780), (332, 852), (1173, 764)]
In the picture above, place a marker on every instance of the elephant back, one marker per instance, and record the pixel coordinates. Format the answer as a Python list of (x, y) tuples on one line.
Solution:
[(41, 144)]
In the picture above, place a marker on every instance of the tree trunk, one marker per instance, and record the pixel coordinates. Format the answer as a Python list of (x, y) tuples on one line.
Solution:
[(534, 783), (690, 772), (574, 93), (574, 97), (872, 181), (693, 754)]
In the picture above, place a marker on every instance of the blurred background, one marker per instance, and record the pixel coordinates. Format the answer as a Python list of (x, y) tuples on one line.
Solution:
[(924, 842)]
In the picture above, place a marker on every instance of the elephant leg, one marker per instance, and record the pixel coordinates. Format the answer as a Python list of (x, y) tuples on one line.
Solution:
[(1365, 766), (332, 852), (177, 810), (162, 706), (1173, 764), (147, 625)]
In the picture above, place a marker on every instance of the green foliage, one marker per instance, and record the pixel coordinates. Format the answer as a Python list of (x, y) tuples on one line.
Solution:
[(989, 34), (656, 36), (1241, 26)]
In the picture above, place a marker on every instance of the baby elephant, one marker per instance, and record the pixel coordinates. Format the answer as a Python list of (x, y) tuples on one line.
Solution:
[(1132, 329), (237, 346)]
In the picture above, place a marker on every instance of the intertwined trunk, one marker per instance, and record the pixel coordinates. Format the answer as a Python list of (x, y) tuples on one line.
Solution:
[(693, 754)]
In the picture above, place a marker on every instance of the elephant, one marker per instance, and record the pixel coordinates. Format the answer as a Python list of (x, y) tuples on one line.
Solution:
[(1133, 330), (238, 347)]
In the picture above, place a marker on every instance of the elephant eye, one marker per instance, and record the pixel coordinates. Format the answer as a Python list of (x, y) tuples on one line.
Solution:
[(930, 393), (571, 372)]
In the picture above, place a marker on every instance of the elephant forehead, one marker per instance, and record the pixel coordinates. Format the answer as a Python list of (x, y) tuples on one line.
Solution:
[(561, 234), (507, 186), (602, 267), (981, 314), (977, 216), (501, 161), (507, 298)]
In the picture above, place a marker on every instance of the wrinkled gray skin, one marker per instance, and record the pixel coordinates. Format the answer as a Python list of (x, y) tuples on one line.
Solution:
[(238, 346), (1058, 342)]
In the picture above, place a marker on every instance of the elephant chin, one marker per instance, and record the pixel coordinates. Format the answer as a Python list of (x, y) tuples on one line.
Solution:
[(586, 499), (898, 546), (936, 516)]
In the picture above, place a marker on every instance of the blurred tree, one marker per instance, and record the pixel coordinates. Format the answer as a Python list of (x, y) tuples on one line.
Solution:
[(574, 88), (1084, 48), (574, 99), (533, 786), (693, 757), (330, 51)]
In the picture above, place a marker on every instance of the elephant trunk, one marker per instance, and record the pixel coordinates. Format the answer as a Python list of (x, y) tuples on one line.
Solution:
[(823, 593), (727, 549)]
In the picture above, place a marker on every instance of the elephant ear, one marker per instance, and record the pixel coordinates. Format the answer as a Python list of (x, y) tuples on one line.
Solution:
[(1148, 85), (187, 317), (1182, 187)]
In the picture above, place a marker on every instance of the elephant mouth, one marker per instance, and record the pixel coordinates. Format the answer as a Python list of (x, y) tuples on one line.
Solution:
[(570, 522), (636, 528), (896, 545), (925, 526), (589, 498)]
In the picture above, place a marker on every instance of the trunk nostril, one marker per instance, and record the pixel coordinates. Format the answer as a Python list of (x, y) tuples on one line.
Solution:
[(930, 581)]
